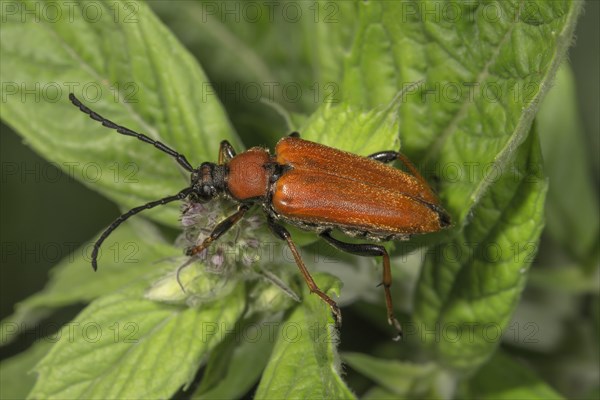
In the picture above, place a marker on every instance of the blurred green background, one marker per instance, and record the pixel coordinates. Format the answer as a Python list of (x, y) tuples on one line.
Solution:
[(45, 214)]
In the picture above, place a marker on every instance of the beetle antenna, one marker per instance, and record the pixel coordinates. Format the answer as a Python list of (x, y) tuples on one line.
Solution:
[(128, 132), (179, 196)]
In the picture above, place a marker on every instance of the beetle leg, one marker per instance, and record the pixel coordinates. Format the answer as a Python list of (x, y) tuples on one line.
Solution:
[(384, 156), (226, 152), (283, 234), (390, 155), (371, 250), (216, 233), (219, 230)]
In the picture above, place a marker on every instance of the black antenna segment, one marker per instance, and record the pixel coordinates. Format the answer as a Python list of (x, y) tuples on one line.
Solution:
[(128, 132), (179, 196)]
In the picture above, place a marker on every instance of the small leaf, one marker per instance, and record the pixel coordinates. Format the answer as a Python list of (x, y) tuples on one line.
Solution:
[(408, 380), (378, 393), (566, 279), (504, 378), (304, 362), (16, 378), (572, 212), (238, 362), (355, 130), (122, 346), (192, 285)]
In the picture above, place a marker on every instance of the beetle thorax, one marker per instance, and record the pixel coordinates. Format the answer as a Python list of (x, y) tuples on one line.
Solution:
[(249, 174)]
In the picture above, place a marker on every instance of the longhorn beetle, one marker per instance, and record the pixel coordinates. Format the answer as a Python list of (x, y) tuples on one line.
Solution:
[(313, 187)]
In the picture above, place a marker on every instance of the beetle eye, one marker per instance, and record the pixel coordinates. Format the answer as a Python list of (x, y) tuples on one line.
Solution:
[(194, 177)]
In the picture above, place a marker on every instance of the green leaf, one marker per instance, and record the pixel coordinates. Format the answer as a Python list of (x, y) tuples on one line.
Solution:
[(505, 378), (328, 34), (355, 130), (129, 255), (484, 77), (16, 379), (565, 279), (470, 286), (378, 393), (239, 45), (573, 220), (238, 362), (304, 362), (122, 346), (148, 82), (408, 380), (238, 42)]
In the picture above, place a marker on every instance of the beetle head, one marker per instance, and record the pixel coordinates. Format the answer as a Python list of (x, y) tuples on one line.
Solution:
[(207, 181)]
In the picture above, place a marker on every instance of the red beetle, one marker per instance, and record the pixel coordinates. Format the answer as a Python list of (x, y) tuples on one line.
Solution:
[(313, 187)]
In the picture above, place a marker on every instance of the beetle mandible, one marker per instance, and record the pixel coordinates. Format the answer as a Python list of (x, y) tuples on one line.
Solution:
[(310, 186)]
